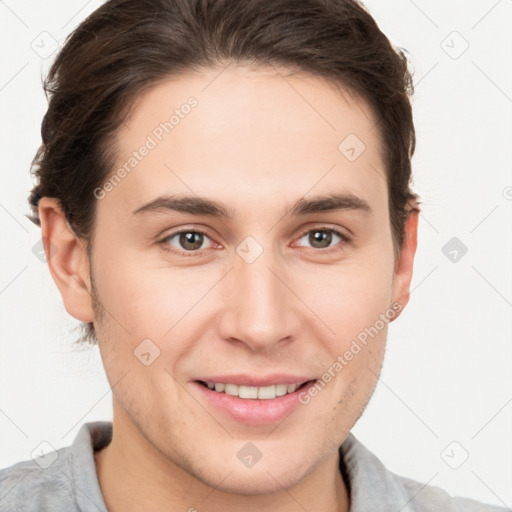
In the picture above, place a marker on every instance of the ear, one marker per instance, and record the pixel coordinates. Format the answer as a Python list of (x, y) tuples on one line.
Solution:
[(66, 255), (404, 264)]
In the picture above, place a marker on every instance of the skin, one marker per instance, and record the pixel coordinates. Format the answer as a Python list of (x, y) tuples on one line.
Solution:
[(254, 144)]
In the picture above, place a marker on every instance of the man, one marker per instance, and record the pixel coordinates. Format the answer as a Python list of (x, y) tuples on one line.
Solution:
[(223, 192)]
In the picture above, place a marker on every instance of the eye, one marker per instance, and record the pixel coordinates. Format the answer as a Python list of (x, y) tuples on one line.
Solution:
[(193, 241), (323, 238), (187, 241)]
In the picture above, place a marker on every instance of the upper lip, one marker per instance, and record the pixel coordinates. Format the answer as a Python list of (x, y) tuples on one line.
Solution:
[(256, 380)]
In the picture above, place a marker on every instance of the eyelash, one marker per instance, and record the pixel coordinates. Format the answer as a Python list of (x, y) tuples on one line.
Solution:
[(165, 245), (172, 249)]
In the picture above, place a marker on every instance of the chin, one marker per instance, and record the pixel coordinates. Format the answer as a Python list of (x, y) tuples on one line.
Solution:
[(247, 483), (263, 478)]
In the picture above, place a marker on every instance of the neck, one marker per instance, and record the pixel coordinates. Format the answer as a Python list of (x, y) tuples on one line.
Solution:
[(134, 475)]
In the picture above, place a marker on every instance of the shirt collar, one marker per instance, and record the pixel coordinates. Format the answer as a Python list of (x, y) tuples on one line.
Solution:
[(371, 486)]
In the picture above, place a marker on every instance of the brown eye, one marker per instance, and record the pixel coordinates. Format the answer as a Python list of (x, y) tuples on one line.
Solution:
[(191, 241), (321, 238), (188, 241)]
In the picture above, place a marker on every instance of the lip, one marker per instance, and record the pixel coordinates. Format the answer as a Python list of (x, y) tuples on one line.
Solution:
[(252, 411), (256, 380)]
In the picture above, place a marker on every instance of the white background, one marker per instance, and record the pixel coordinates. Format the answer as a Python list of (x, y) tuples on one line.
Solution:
[(448, 369)]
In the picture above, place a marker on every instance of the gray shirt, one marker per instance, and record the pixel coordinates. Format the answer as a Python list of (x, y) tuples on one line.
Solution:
[(66, 480)]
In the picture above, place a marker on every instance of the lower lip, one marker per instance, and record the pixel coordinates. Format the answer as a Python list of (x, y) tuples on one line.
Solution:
[(253, 411)]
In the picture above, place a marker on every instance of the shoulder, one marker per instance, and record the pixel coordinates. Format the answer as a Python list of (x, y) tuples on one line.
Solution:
[(429, 497), (42, 484), (61, 480), (373, 486)]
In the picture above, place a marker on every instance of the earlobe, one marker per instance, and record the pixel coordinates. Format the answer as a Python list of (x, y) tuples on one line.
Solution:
[(404, 264), (67, 258)]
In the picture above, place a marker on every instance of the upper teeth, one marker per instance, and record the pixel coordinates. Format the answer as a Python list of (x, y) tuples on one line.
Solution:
[(263, 392)]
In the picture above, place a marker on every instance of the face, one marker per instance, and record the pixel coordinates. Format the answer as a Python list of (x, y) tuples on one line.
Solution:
[(248, 247)]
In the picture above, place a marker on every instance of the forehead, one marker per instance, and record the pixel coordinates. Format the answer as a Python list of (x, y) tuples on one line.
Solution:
[(244, 133)]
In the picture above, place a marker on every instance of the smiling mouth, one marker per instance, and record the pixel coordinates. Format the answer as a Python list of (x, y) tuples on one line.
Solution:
[(254, 392)]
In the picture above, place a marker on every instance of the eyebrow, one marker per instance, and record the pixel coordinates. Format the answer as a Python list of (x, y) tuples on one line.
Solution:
[(195, 205)]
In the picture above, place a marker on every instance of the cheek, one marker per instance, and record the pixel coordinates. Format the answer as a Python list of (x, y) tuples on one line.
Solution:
[(150, 301), (353, 301), (350, 297)]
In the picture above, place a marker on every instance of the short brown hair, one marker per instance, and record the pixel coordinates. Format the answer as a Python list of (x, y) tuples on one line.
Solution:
[(126, 46)]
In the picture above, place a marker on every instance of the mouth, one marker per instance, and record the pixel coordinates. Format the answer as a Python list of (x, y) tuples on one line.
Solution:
[(243, 402), (254, 392)]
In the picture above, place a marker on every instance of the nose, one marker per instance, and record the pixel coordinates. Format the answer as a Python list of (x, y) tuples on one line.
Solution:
[(260, 310)]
